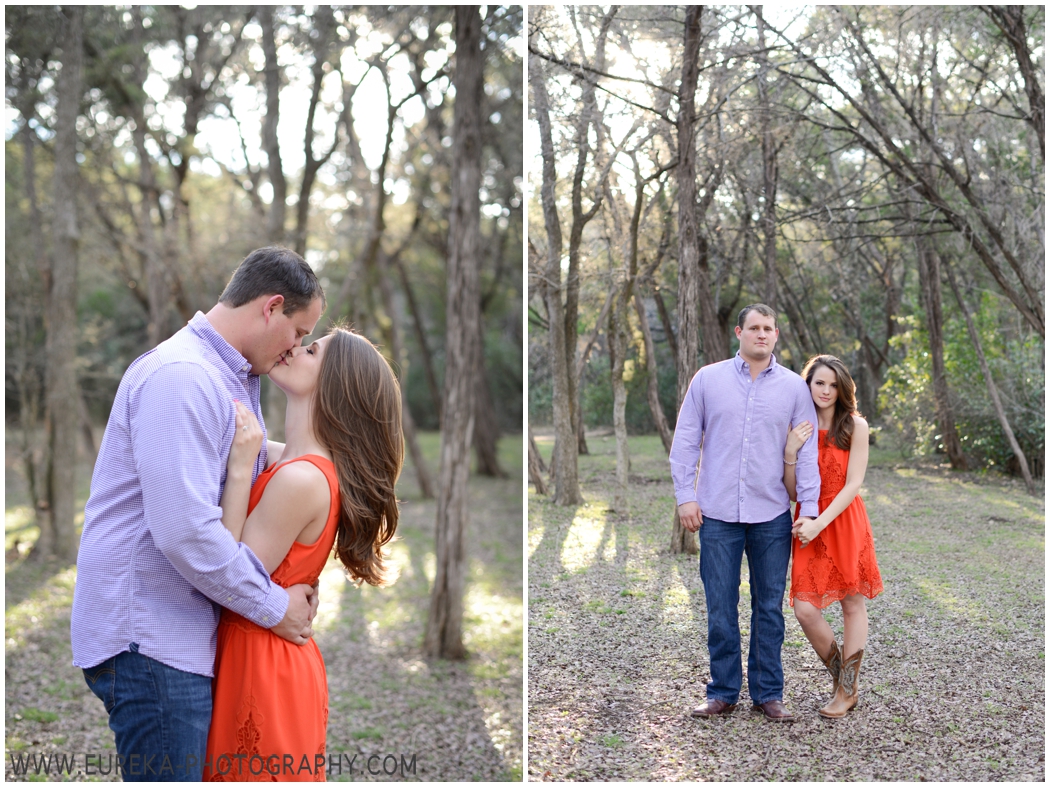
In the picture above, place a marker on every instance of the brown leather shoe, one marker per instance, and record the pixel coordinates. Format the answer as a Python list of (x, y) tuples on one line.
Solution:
[(712, 708), (774, 710)]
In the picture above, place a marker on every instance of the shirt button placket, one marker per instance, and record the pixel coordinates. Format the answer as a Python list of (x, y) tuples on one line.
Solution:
[(743, 450)]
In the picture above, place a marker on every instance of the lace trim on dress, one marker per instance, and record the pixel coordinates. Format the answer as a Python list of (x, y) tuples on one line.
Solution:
[(248, 735)]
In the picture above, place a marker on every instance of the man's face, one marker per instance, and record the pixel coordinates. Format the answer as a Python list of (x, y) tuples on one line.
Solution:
[(758, 337), (281, 333)]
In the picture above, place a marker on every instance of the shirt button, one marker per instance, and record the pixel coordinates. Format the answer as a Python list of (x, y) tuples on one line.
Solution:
[(229, 598), (266, 618)]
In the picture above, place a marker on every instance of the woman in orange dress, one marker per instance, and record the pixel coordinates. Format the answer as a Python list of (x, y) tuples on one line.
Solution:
[(833, 556), (331, 484)]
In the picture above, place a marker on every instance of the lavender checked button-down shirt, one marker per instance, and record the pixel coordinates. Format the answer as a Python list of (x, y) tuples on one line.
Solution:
[(154, 554), (743, 427)]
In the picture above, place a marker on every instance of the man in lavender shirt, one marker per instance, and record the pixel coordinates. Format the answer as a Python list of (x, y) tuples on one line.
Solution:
[(740, 412), (155, 561)]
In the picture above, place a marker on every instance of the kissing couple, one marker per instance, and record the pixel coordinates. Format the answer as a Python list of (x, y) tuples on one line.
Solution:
[(203, 541)]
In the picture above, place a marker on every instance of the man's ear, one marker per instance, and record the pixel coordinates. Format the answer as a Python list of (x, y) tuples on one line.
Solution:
[(271, 305)]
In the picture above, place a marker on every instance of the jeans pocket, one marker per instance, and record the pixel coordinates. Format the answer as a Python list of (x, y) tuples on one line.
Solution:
[(102, 680)]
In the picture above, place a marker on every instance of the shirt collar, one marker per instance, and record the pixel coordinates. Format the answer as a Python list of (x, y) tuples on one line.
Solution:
[(206, 331), (743, 366)]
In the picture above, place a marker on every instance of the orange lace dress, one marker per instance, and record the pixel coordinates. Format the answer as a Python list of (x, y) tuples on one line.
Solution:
[(270, 696), (840, 561)]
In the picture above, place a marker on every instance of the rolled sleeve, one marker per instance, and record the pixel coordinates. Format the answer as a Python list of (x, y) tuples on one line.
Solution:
[(181, 433)]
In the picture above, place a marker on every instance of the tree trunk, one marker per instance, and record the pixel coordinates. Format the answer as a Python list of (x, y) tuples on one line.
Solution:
[(323, 23), (618, 352), (769, 174), (536, 468), (712, 324), (581, 430), (689, 287), (564, 467), (486, 428), (589, 114), (930, 287), (275, 169), (364, 263), (28, 380), (157, 290), (665, 321), (400, 358), (444, 632), (993, 392), (63, 392), (581, 436), (653, 386), (421, 337)]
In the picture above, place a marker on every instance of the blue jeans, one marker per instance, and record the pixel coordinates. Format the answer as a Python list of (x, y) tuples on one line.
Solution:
[(768, 549), (160, 716)]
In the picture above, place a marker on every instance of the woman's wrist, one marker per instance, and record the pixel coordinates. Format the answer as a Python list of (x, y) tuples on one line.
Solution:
[(789, 459), (239, 472)]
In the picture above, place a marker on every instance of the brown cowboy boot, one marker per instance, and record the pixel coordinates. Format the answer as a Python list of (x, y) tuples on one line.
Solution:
[(845, 698), (833, 661)]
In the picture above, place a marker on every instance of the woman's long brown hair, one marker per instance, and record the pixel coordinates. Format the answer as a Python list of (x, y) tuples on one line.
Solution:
[(841, 431), (357, 416)]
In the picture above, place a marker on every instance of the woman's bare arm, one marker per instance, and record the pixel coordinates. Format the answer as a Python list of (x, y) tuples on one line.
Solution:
[(795, 440), (247, 441), (294, 506)]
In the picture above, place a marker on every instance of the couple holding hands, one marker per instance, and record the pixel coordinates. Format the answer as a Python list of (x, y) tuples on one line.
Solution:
[(755, 422)]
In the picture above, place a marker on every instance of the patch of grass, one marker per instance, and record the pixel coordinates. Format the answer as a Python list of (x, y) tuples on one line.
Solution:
[(35, 714), (612, 741), (369, 733)]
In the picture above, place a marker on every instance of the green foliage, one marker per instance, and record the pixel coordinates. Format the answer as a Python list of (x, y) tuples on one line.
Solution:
[(907, 403)]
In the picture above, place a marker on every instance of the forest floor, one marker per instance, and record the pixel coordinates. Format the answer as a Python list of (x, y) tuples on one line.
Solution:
[(390, 709), (952, 683)]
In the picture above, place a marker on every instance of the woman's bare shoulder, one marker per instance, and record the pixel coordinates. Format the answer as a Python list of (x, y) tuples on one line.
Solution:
[(302, 484)]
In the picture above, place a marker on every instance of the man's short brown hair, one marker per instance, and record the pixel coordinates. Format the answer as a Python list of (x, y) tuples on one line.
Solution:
[(273, 270), (761, 308)]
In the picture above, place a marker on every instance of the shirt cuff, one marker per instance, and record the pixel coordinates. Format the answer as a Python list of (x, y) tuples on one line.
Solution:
[(811, 510), (271, 612), (685, 497)]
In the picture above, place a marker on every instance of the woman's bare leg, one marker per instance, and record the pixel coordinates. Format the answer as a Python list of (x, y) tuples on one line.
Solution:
[(855, 622), (817, 630)]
